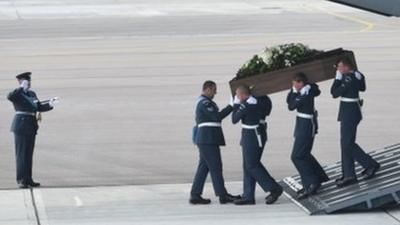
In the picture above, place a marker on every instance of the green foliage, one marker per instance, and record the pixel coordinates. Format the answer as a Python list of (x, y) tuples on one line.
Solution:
[(277, 57)]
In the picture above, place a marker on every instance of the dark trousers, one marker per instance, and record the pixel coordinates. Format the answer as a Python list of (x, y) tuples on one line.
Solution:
[(24, 146), (310, 170), (351, 151), (210, 161), (254, 171)]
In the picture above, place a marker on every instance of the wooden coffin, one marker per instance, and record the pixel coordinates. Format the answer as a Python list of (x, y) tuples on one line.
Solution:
[(317, 69)]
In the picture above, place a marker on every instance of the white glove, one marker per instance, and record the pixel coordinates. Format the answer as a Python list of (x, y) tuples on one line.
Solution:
[(25, 85), (251, 100), (339, 75), (305, 90), (358, 75), (54, 101), (236, 100), (294, 90), (231, 101)]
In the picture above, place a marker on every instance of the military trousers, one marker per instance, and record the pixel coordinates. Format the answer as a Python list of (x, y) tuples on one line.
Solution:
[(24, 147), (209, 162), (255, 172), (351, 151), (311, 172)]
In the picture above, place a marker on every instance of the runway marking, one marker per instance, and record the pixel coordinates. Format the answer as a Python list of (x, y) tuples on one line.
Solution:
[(368, 25), (40, 206), (78, 201), (16, 10), (29, 206)]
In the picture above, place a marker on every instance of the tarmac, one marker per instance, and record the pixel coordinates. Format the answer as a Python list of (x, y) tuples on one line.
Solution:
[(164, 204), (128, 74)]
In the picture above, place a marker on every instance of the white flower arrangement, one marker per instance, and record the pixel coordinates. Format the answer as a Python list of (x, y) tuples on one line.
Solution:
[(275, 58)]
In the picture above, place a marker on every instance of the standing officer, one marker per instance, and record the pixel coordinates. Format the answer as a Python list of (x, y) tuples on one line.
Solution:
[(25, 126), (248, 111), (301, 98), (208, 136), (347, 85)]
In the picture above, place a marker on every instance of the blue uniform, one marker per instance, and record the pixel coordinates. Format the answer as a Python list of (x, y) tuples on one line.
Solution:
[(24, 127), (208, 137), (348, 89), (252, 149), (306, 128)]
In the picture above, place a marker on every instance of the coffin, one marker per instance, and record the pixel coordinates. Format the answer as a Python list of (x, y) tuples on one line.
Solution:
[(319, 68)]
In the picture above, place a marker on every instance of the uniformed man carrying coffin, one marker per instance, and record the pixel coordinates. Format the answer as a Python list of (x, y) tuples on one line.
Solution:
[(208, 137), (25, 126), (248, 112), (347, 85), (301, 98)]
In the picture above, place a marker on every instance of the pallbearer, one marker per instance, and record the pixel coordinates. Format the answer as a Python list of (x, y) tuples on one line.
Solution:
[(208, 137), (248, 112), (301, 98), (347, 85), (25, 126)]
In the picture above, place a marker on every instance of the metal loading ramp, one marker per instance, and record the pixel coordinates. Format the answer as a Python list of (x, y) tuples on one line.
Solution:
[(381, 190)]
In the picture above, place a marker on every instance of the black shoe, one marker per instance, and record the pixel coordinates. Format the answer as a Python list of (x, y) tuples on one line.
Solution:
[(309, 191), (301, 191), (23, 186), (243, 201), (199, 201), (324, 179), (339, 179), (228, 198), (364, 172), (346, 181), (370, 172), (302, 195), (34, 184), (313, 188), (273, 196)]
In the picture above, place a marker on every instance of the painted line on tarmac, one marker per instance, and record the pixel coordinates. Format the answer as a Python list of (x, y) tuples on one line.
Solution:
[(39, 207), (16, 10), (33, 201), (368, 25), (30, 209)]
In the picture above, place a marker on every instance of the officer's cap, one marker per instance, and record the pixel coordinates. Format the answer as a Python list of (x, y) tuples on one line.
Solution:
[(24, 76)]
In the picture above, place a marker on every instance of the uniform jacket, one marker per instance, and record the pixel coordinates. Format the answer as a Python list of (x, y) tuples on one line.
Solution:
[(304, 104), (349, 87), (208, 111), (26, 102), (249, 114)]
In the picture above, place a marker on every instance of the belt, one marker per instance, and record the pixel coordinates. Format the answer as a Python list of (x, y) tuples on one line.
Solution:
[(305, 116), (250, 127), (25, 113), (254, 127), (209, 124), (349, 99), (263, 122)]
